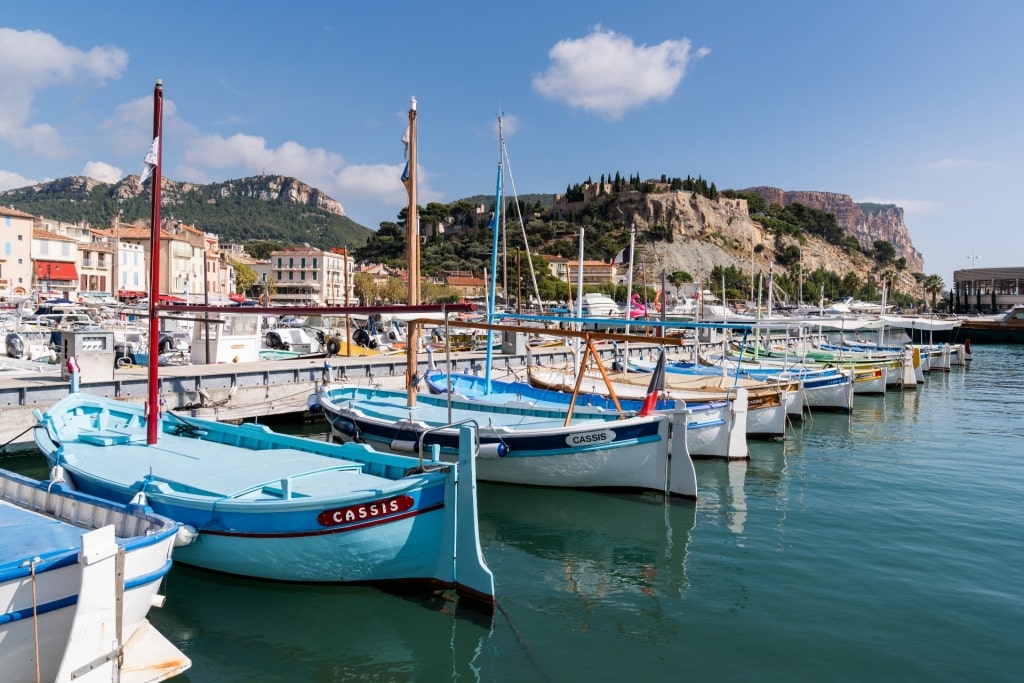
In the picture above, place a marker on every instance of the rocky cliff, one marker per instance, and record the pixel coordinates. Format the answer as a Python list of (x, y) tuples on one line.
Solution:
[(866, 222), (708, 233), (273, 188)]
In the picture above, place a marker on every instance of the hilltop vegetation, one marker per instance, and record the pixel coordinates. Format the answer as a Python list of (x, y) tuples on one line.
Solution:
[(236, 211)]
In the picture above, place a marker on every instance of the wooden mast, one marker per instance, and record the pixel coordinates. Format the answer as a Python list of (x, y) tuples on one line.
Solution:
[(152, 404), (412, 252)]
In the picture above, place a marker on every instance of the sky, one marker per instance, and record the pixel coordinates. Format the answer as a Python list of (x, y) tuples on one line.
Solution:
[(916, 103)]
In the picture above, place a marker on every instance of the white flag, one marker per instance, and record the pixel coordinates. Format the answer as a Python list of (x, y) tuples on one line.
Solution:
[(405, 141), (149, 163)]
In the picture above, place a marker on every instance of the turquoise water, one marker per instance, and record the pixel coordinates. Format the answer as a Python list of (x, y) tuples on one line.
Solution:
[(887, 544)]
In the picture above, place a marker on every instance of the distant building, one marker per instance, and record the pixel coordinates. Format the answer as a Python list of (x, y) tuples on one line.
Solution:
[(305, 276), (16, 274), (594, 272), (987, 290), (466, 285), (55, 264)]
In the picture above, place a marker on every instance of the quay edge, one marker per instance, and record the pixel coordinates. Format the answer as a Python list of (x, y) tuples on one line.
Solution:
[(229, 391)]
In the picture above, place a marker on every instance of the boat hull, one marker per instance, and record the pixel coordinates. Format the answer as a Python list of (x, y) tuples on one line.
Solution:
[(517, 448), (273, 506), (716, 429), (43, 607), (766, 410)]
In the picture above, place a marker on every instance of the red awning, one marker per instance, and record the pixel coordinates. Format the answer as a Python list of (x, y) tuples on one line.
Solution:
[(171, 299), (236, 297), (56, 270)]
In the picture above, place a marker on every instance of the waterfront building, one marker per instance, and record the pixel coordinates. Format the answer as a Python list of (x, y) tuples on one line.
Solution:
[(16, 275), (302, 276), (987, 290), (54, 264)]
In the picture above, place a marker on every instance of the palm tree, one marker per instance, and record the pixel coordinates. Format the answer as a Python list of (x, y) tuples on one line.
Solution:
[(933, 285)]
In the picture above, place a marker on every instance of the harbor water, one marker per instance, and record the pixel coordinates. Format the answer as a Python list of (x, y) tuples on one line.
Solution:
[(887, 544)]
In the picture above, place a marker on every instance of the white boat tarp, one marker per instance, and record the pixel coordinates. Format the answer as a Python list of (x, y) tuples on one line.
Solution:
[(934, 324)]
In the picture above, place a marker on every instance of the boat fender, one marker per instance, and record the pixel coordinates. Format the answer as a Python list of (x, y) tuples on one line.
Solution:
[(185, 536), (313, 403), (347, 427), (493, 450), (58, 478), (333, 347), (404, 446)]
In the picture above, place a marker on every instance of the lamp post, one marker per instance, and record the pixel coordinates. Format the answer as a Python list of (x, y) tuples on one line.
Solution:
[(186, 275), (974, 284)]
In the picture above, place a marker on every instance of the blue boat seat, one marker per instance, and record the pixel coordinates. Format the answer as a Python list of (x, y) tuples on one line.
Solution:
[(110, 437)]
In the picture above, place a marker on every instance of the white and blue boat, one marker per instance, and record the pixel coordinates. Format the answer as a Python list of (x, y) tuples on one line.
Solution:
[(714, 429), (522, 444), (78, 576), (276, 506)]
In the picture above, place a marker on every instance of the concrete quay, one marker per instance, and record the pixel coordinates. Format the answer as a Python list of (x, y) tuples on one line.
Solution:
[(236, 391)]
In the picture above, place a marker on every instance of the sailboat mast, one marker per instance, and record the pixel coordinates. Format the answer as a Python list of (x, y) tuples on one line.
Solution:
[(629, 289), (412, 253), (495, 227), (153, 408)]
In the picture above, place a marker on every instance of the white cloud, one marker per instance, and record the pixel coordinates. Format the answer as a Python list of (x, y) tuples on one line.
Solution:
[(102, 171), (251, 153), (130, 129), (383, 183), (34, 60), (10, 180), (606, 73)]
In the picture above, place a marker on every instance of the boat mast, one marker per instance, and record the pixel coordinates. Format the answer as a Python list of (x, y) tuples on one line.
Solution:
[(412, 253), (495, 227), (152, 406), (629, 290)]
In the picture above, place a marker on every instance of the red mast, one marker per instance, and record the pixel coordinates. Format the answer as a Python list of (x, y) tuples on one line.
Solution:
[(152, 403)]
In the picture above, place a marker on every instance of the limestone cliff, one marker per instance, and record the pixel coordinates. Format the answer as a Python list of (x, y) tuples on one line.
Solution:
[(272, 188), (708, 233), (866, 222)]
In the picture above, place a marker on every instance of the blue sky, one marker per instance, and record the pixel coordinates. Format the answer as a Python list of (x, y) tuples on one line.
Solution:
[(916, 103)]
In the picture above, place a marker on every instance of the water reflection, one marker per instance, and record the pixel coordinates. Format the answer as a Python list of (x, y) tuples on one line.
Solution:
[(231, 627), (608, 548), (721, 489)]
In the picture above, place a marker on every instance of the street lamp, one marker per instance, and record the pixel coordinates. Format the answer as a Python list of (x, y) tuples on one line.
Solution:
[(185, 275), (972, 258)]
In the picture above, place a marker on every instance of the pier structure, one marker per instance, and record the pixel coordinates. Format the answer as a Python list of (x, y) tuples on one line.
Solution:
[(239, 391)]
